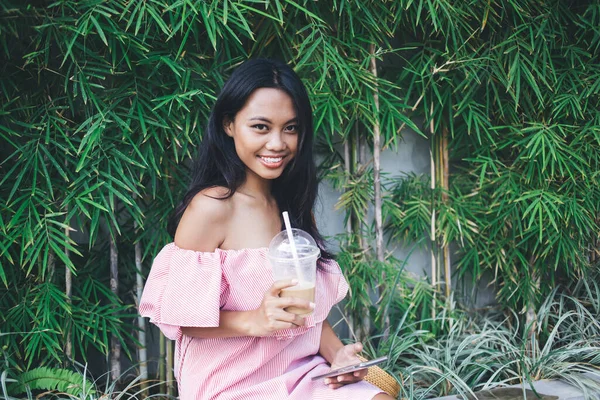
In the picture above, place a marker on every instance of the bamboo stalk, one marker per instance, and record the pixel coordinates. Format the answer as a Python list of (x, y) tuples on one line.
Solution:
[(351, 223), (358, 161), (377, 164), (51, 266), (432, 231), (142, 354), (170, 369), (530, 315), (68, 291), (51, 261), (362, 243), (377, 183), (162, 378), (68, 280), (349, 216), (115, 346), (348, 172), (364, 157), (446, 186)]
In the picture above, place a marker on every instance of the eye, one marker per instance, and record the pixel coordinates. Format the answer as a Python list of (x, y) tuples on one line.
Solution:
[(260, 127), (291, 128)]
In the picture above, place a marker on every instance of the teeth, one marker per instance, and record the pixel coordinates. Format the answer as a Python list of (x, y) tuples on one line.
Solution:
[(272, 160)]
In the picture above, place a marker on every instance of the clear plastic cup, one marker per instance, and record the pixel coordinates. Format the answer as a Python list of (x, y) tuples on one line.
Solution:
[(304, 269)]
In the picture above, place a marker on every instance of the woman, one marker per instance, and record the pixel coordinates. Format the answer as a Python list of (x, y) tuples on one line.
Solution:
[(212, 290)]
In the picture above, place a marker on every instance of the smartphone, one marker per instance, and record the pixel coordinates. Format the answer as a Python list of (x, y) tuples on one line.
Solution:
[(351, 368)]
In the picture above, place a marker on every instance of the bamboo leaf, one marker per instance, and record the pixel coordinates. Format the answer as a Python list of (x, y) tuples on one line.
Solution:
[(99, 30)]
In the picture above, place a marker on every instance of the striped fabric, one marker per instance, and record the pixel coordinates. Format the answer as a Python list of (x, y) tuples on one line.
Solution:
[(189, 288)]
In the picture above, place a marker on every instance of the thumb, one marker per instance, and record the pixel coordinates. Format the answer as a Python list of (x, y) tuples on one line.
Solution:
[(353, 349), (358, 347)]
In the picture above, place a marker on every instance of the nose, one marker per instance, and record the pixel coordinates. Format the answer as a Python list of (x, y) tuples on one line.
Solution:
[(276, 141)]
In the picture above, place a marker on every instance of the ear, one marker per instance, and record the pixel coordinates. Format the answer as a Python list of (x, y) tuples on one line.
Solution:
[(227, 126)]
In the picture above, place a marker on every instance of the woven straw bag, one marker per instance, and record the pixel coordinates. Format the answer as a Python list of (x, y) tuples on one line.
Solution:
[(384, 381)]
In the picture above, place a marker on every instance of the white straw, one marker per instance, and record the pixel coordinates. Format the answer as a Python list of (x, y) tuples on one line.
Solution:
[(290, 235)]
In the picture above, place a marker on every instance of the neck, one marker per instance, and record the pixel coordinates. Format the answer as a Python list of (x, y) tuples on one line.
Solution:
[(256, 187)]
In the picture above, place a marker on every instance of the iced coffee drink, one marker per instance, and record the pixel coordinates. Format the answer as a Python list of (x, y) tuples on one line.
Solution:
[(303, 290), (295, 263)]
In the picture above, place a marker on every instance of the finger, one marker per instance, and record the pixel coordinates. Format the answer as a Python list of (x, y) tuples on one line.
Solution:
[(361, 374), (284, 316), (335, 383), (353, 349), (285, 302), (298, 320), (279, 285), (281, 325), (346, 378)]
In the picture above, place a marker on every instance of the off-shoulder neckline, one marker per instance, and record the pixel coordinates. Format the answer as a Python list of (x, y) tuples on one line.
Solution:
[(232, 253), (219, 250)]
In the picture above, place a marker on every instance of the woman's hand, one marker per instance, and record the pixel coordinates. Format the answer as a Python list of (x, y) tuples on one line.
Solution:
[(271, 316), (346, 356)]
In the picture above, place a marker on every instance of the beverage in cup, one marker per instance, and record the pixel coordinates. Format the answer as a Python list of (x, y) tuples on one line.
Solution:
[(296, 259)]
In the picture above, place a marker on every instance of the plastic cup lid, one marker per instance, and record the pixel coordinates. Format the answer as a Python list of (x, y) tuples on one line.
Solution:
[(305, 245)]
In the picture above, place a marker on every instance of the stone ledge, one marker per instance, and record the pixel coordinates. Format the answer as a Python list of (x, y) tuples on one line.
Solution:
[(547, 389)]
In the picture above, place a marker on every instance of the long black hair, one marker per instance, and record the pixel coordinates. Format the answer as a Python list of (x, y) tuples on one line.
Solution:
[(218, 164)]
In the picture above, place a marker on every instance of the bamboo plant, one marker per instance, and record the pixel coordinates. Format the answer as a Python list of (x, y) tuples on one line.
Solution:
[(104, 103)]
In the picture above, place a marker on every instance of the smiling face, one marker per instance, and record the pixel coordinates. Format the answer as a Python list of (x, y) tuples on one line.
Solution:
[(265, 132)]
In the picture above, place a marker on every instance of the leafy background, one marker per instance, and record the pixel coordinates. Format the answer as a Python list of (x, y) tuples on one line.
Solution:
[(103, 103)]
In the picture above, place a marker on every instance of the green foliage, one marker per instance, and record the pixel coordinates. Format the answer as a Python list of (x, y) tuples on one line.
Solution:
[(518, 92), (516, 87), (59, 383), (103, 104), (480, 353), (43, 378)]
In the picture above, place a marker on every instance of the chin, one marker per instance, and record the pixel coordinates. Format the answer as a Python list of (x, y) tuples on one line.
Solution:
[(271, 175)]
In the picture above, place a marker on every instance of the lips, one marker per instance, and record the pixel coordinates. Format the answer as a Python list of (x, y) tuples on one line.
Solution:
[(271, 162)]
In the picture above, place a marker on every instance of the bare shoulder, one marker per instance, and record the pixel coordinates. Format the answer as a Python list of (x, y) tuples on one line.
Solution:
[(204, 223)]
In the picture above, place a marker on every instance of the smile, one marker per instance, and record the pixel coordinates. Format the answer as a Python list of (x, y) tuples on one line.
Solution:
[(271, 162)]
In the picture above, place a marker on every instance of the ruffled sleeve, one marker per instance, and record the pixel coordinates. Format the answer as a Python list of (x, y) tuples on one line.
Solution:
[(331, 288), (185, 288)]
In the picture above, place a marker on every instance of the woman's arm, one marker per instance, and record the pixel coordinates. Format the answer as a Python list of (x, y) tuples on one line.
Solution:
[(231, 324), (330, 343), (203, 228), (266, 319), (338, 355)]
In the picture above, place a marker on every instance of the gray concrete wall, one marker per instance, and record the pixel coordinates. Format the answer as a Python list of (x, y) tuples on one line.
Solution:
[(411, 156)]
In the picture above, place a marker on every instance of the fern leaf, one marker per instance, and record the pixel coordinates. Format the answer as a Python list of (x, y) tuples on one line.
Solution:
[(58, 379)]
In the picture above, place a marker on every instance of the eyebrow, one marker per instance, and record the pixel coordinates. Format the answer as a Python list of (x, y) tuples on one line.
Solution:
[(269, 121)]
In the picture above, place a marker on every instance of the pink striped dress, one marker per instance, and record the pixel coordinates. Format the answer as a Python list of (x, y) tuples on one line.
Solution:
[(187, 288)]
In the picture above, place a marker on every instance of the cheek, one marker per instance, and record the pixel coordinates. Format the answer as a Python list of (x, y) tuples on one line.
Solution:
[(246, 141)]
